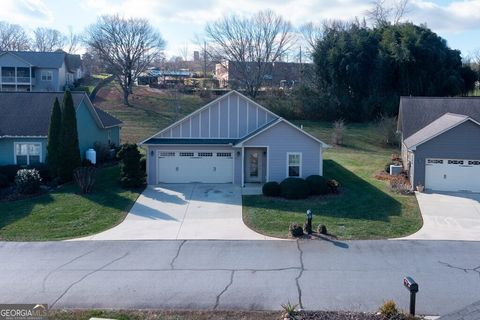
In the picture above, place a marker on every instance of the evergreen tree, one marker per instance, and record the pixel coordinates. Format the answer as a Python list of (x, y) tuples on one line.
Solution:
[(54, 139), (131, 170), (69, 151)]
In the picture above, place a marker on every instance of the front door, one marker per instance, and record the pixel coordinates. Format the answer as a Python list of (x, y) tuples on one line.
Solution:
[(254, 161)]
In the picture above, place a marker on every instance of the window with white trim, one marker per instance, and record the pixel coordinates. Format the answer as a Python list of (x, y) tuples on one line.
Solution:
[(28, 153), (224, 154), (294, 164), (47, 75), (205, 154)]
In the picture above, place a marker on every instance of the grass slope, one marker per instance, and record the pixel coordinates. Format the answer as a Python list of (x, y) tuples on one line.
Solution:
[(150, 110), (366, 209), (64, 214)]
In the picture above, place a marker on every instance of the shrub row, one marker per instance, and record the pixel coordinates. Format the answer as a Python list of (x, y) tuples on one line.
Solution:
[(298, 188)]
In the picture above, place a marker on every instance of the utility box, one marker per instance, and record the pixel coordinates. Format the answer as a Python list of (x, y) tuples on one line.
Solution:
[(395, 169)]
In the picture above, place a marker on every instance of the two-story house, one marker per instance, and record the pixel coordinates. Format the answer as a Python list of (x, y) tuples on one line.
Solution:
[(38, 71)]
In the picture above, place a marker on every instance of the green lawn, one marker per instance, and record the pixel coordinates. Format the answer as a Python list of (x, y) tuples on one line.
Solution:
[(366, 208), (65, 214)]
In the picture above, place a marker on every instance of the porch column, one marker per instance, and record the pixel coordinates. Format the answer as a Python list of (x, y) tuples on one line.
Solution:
[(16, 84), (30, 68)]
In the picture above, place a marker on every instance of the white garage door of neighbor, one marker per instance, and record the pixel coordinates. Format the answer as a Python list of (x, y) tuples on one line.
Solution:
[(195, 166), (452, 175)]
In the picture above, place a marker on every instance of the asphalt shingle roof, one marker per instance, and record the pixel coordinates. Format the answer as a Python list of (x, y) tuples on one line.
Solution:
[(417, 112), (50, 60), (445, 122), (28, 113)]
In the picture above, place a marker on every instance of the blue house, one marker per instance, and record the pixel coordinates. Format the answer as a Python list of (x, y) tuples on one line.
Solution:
[(25, 119), (232, 139), (38, 71)]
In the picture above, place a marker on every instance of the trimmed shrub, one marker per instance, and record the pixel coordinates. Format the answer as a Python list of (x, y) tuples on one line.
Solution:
[(9, 171), (317, 184), (102, 151), (143, 163), (132, 174), (388, 309), (69, 157), (28, 181), (295, 230), (322, 229), (43, 170), (334, 186), (271, 189), (294, 188), (4, 181)]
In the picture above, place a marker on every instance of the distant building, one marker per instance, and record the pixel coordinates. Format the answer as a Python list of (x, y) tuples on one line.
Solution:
[(38, 71), (278, 75), (196, 56)]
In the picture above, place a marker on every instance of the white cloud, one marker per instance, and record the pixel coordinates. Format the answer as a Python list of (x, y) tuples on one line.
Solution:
[(26, 12), (457, 16)]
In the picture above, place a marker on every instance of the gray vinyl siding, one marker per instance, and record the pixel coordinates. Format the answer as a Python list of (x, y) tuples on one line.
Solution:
[(152, 159), (235, 115), (460, 142), (282, 139), (53, 85)]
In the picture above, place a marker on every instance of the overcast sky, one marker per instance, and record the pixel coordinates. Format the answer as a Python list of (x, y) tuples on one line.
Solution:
[(458, 21)]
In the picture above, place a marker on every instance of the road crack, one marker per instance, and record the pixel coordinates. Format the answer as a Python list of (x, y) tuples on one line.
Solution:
[(297, 279), (86, 276), (176, 256), (217, 302), (61, 266), (466, 270)]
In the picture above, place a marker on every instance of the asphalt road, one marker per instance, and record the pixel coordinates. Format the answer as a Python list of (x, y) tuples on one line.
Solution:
[(357, 275)]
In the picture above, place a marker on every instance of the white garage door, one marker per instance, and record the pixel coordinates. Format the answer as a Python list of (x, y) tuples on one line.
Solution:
[(195, 166), (452, 175)]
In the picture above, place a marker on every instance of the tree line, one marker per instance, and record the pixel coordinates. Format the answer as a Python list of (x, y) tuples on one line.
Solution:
[(361, 71), (14, 37)]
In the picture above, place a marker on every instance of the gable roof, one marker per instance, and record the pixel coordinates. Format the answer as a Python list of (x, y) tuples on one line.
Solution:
[(73, 62), (274, 123), (27, 114), (208, 105), (444, 123), (416, 113), (49, 60)]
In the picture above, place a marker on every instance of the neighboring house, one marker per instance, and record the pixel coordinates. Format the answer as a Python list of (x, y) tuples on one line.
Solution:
[(441, 142), (232, 140), (278, 74), (25, 119), (38, 71)]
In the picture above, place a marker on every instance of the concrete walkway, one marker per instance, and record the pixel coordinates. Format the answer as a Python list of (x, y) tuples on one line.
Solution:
[(184, 211), (449, 216), (252, 275)]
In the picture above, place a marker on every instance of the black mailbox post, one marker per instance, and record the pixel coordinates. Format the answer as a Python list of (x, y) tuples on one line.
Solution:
[(412, 286)]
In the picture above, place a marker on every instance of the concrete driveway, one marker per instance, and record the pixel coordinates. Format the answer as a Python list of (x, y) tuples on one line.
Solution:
[(449, 216), (184, 211)]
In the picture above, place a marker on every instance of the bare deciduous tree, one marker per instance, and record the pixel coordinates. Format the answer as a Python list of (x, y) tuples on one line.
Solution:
[(127, 47), (13, 37), (311, 33), (47, 40), (250, 44), (385, 11), (73, 41)]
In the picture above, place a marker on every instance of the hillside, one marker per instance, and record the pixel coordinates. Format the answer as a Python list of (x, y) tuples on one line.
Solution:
[(150, 110)]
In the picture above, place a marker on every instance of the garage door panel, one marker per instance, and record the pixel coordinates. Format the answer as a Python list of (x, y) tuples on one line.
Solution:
[(452, 175), (195, 166)]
